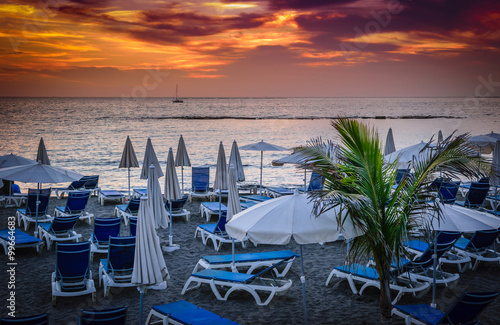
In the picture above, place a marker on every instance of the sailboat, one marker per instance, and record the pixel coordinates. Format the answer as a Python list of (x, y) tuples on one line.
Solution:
[(176, 99)]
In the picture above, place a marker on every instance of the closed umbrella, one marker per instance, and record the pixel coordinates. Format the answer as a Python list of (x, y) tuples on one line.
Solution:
[(182, 159), (155, 199), (390, 147), (235, 160), (172, 193), (233, 202), (150, 159), (440, 136), (41, 154), (220, 182), (150, 269), (129, 160), (279, 220), (262, 146)]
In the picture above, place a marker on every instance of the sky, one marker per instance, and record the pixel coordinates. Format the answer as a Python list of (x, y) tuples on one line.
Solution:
[(255, 48)]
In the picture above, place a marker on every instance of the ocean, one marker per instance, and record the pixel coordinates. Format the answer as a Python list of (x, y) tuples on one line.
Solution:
[(88, 134)]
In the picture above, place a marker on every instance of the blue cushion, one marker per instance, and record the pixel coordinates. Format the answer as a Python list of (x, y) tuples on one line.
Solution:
[(214, 206), (417, 245), (20, 237), (359, 270), (249, 257), (223, 275), (462, 243), (422, 312), (187, 313)]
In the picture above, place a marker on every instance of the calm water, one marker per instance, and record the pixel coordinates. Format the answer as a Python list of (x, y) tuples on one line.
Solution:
[(88, 134)]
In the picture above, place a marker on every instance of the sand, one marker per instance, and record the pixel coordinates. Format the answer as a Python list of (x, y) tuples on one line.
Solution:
[(333, 304)]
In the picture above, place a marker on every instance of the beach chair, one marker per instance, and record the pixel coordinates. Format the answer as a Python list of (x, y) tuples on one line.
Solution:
[(478, 247), (110, 195), (74, 186), (139, 192), (76, 205), (104, 228), (216, 232), (72, 276), (59, 229), (208, 209), (249, 262), (401, 174), (28, 215), (465, 310), (133, 226), (116, 270), (476, 195), (494, 200), (20, 239), (178, 208), (42, 319), (275, 192), (91, 184), (447, 190), (247, 204), (315, 183), (125, 211), (109, 316), (251, 283), (185, 313), (200, 183), (255, 198)]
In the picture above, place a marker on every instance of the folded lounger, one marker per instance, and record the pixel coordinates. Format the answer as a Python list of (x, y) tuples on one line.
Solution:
[(216, 232), (128, 210), (465, 310), (103, 229), (111, 316), (72, 276), (110, 195), (28, 215), (178, 208), (249, 261), (208, 209), (76, 205), (60, 229), (21, 240), (251, 283), (74, 186), (42, 319), (200, 183), (185, 313)]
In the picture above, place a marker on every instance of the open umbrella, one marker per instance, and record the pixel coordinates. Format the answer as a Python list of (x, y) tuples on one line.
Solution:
[(150, 269), (155, 199), (182, 159), (172, 193), (129, 160), (12, 160), (41, 154), (233, 201), (235, 160), (484, 143), (277, 221), (262, 146), (38, 173), (150, 159), (408, 154), (390, 147)]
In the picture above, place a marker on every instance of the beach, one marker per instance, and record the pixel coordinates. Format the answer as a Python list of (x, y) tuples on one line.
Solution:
[(333, 304)]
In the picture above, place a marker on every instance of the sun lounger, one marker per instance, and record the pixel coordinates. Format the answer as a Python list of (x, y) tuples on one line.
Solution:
[(111, 316), (216, 232), (42, 319), (255, 198), (248, 261), (76, 205), (275, 192), (20, 239), (465, 310), (74, 186), (128, 210), (200, 183), (91, 184), (139, 192), (178, 208), (110, 195), (103, 229), (72, 276), (59, 229), (14, 200), (251, 283), (208, 209), (116, 270), (28, 215), (476, 195), (447, 190), (185, 313), (133, 226), (494, 202), (247, 204)]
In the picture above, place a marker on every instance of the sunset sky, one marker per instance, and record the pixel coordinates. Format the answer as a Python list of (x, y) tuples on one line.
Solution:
[(249, 48)]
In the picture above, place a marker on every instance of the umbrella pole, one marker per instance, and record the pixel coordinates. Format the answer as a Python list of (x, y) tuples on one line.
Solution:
[(182, 178), (141, 292), (37, 203), (305, 180), (170, 237), (434, 257), (128, 183), (233, 265), (303, 281), (261, 158)]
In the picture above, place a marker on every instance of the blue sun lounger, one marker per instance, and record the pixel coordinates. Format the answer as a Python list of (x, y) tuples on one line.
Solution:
[(208, 209), (139, 192), (103, 229), (216, 232), (91, 184), (275, 192), (200, 183), (28, 215), (133, 226), (60, 229), (128, 210), (110, 195), (42, 319), (178, 208), (255, 198), (76, 205), (74, 186), (465, 310), (185, 313), (247, 204), (21, 240), (112, 316)]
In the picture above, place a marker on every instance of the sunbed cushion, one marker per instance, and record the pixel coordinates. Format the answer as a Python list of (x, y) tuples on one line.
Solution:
[(462, 243), (424, 312), (20, 237), (223, 275), (214, 206), (187, 313), (249, 257), (417, 245), (209, 227), (111, 193), (359, 270)]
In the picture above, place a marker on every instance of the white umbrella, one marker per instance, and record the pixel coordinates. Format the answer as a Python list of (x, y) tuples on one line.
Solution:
[(172, 193), (235, 160), (182, 159), (220, 182), (390, 147), (155, 199), (149, 265), (262, 146), (150, 159), (408, 154), (276, 221), (12, 160), (41, 154), (484, 143), (233, 201), (129, 160)]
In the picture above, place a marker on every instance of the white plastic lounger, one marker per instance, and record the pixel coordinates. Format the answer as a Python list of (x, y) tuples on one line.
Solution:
[(248, 261), (217, 233), (185, 313), (369, 276), (60, 229), (275, 192), (125, 211), (21, 240), (110, 195), (251, 283), (139, 192), (208, 209)]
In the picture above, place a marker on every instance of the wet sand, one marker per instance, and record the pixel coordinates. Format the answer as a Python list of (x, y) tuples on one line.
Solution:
[(333, 304)]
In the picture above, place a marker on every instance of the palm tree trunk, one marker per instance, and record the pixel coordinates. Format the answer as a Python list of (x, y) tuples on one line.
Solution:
[(385, 301)]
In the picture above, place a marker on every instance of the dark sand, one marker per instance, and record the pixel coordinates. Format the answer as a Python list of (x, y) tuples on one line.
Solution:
[(335, 304)]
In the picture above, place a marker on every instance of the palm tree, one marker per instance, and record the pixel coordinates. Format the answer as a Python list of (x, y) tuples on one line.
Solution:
[(359, 182)]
